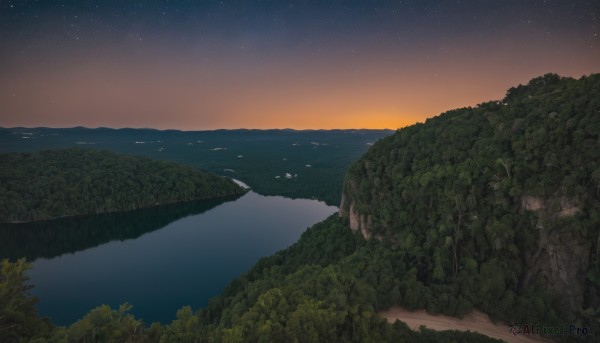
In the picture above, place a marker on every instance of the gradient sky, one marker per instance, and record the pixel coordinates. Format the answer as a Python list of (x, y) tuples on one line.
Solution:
[(195, 65)]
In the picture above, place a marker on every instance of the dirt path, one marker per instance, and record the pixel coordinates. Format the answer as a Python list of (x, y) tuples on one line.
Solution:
[(476, 321)]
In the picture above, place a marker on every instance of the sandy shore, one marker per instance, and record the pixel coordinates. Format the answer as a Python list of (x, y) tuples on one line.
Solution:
[(476, 321)]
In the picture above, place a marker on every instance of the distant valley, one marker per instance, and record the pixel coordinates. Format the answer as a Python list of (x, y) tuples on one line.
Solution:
[(299, 164)]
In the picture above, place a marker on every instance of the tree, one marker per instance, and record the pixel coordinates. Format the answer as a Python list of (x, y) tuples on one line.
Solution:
[(103, 324), (18, 314)]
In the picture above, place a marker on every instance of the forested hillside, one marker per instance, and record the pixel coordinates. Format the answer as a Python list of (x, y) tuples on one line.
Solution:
[(56, 183), (500, 200)]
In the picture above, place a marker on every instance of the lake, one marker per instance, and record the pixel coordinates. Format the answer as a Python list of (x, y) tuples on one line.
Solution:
[(156, 259)]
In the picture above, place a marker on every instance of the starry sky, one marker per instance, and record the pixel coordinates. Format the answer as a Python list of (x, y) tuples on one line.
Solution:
[(198, 65)]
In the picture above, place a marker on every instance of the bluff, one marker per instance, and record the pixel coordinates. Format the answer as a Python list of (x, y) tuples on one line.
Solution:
[(511, 186)]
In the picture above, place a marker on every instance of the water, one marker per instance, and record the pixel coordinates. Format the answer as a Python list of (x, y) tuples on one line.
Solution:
[(156, 259)]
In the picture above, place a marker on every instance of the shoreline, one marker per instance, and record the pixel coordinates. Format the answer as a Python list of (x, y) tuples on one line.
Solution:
[(128, 210)]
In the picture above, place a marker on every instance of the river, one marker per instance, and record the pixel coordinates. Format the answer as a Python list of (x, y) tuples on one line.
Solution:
[(157, 259)]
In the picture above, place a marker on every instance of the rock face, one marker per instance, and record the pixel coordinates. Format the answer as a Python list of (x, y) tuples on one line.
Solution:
[(559, 207), (358, 222), (561, 261)]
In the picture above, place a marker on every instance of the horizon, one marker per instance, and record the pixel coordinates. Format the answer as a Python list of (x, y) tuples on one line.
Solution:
[(191, 130), (324, 65), (270, 128)]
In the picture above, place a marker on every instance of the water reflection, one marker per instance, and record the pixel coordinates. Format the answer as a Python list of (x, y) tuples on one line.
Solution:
[(157, 259), (53, 238)]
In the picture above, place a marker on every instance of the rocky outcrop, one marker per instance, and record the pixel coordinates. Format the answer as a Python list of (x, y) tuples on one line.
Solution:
[(559, 207), (358, 222), (561, 261)]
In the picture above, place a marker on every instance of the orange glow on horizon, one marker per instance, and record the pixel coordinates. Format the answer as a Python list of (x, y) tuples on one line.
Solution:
[(313, 94)]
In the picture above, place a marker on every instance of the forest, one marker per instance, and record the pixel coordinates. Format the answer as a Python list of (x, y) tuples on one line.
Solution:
[(65, 182), (477, 208)]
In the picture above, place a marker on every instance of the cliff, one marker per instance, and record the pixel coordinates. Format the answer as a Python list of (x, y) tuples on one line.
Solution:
[(511, 186)]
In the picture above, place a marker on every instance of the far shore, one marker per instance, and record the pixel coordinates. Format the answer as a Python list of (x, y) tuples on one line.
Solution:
[(128, 210)]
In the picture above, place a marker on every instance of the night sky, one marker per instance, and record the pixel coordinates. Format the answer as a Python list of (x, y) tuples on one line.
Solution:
[(195, 65)]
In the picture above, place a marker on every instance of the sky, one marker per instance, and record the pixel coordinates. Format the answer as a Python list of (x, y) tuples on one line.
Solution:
[(201, 65)]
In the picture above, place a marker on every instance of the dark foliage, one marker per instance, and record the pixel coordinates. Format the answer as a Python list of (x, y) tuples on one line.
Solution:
[(56, 183), (18, 314)]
